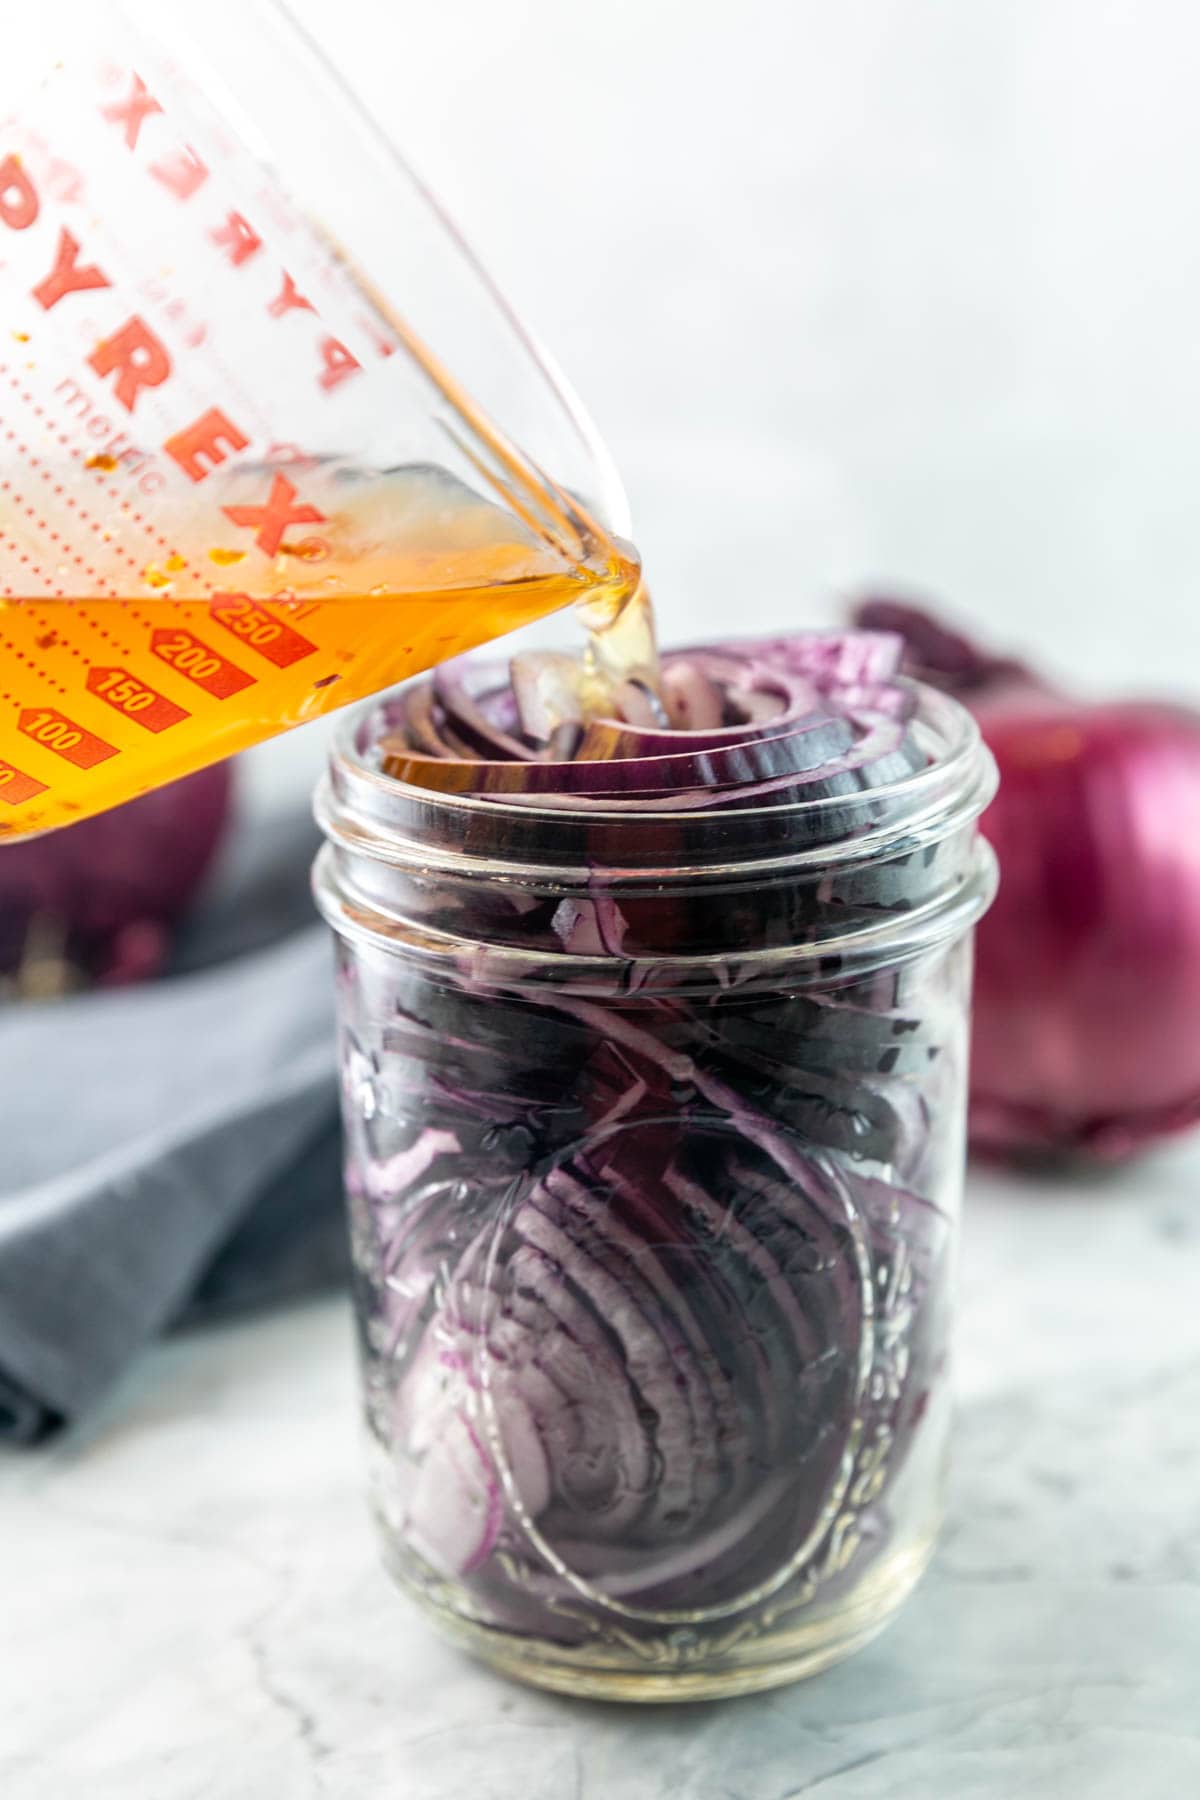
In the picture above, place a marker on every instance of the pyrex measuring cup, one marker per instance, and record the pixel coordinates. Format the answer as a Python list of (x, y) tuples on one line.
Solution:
[(269, 440)]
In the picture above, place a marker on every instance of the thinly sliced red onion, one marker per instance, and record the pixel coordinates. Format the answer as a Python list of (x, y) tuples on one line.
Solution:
[(832, 658), (816, 745), (771, 708), (470, 722), (878, 757), (693, 702), (805, 717), (548, 688), (682, 1308), (420, 725)]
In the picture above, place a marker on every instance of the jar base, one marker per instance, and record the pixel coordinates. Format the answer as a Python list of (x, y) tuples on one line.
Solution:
[(829, 1637)]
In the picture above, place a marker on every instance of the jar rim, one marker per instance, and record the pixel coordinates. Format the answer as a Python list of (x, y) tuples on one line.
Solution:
[(448, 880), (370, 813)]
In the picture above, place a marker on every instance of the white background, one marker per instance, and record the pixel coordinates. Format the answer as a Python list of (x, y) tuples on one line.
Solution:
[(899, 293)]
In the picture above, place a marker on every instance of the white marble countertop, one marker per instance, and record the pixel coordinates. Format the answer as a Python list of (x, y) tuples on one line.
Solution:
[(193, 1607)]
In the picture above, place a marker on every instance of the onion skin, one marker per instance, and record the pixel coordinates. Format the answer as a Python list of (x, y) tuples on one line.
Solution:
[(1087, 1022), (94, 903), (1086, 1037)]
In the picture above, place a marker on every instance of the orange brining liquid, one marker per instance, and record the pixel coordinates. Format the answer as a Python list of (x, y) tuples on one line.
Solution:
[(104, 697)]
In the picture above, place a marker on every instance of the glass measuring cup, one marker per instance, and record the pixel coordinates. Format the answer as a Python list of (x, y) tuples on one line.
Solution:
[(269, 438)]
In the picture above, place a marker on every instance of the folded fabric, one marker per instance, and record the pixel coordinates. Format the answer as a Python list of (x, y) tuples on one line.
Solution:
[(168, 1149)]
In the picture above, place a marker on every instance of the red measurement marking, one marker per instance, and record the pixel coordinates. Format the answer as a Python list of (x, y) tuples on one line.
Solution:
[(278, 642), (134, 700), (54, 731), (192, 658), (16, 787)]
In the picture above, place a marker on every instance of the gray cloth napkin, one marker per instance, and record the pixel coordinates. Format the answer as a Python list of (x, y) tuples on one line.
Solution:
[(169, 1149)]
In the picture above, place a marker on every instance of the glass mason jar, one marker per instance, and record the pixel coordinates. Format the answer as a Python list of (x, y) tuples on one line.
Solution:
[(655, 1147)]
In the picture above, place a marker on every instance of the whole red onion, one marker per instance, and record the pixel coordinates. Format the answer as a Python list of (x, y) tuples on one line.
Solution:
[(94, 902), (1087, 999)]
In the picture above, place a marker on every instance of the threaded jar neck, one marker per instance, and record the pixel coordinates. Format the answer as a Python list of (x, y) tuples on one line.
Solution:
[(553, 892)]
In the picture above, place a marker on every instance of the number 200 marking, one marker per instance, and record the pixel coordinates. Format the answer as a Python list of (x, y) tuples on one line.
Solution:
[(189, 658), (199, 663)]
